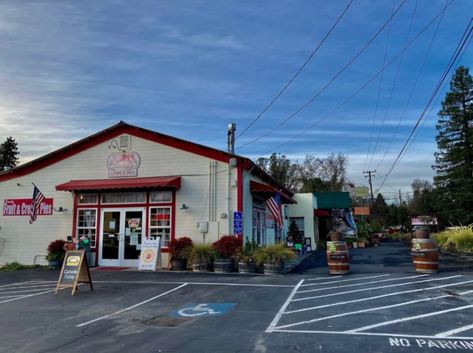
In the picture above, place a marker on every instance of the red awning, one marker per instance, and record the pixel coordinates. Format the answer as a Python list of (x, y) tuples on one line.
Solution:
[(172, 182), (267, 191), (321, 213)]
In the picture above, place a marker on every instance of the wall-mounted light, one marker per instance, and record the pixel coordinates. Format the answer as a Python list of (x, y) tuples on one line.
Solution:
[(60, 209), (18, 184), (184, 206)]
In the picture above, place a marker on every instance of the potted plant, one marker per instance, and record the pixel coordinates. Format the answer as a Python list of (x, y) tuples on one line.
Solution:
[(272, 257), (56, 253), (226, 249), (246, 260), (201, 257), (179, 250)]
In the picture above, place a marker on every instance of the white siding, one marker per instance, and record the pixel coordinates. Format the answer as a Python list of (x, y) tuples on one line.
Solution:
[(23, 241), (306, 203)]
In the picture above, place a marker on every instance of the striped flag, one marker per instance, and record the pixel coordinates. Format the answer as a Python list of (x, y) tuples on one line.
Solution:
[(274, 205), (38, 197)]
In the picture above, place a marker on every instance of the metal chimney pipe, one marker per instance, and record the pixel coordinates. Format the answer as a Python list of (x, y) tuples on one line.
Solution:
[(231, 138)]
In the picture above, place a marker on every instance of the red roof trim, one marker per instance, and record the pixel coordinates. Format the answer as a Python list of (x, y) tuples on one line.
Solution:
[(169, 182), (124, 128)]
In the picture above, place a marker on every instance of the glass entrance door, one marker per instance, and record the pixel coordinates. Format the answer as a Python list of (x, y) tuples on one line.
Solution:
[(120, 236)]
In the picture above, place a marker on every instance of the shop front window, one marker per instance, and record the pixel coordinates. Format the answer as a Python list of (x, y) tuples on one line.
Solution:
[(124, 197), (160, 224), (88, 199), (86, 225), (259, 226)]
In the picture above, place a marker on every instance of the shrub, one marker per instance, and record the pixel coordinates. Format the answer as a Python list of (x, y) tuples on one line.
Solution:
[(246, 253), (273, 254), (180, 248), (56, 250), (456, 238), (227, 246), (201, 253)]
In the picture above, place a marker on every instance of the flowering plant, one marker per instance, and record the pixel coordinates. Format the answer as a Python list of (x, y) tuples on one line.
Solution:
[(227, 246), (180, 248), (56, 250)]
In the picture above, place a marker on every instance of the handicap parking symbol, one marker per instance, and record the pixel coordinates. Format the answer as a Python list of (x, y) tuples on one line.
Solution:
[(203, 309)]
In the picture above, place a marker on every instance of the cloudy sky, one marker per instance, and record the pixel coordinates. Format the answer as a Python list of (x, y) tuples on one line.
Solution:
[(187, 68)]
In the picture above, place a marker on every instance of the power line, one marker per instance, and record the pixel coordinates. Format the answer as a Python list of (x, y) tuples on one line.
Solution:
[(411, 93), (396, 77), (314, 97), (315, 50), (373, 121), (393, 59), (456, 54)]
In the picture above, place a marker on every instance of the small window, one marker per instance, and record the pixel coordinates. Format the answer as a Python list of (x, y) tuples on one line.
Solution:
[(160, 224), (86, 224), (88, 199), (160, 196), (124, 197)]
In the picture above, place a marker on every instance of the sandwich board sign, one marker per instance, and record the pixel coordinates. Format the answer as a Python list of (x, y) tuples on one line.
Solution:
[(150, 254), (74, 270)]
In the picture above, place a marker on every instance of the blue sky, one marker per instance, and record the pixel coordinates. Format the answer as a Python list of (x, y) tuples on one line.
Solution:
[(188, 68)]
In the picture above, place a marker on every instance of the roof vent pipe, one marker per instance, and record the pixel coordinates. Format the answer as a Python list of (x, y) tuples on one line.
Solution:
[(231, 138)]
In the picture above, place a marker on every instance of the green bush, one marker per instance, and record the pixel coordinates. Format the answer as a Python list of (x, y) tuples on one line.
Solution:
[(273, 254), (456, 239), (14, 266)]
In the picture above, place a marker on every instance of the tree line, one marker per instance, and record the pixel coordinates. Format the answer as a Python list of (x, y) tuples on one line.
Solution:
[(8, 154)]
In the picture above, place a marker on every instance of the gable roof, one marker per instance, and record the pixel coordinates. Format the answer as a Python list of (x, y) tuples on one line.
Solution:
[(124, 128)]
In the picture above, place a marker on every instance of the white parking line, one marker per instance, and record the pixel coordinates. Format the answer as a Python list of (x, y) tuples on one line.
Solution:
[(376, 297), (283, 307), (130, 307), (26, 296), (14, 284), (345, 280), (202, 283), (23, 287), (409, 318), (371, 309), (26, 291), (358, 284), (373, 288), (454, 332), (379, 334), (321, 278)]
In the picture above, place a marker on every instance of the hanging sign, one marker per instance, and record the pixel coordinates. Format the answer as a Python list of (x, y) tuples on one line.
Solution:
[(74, 270), (23, 207), (123, 164), (150, 254)]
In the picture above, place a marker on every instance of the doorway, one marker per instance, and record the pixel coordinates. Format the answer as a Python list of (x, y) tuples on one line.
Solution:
[(121, 233)]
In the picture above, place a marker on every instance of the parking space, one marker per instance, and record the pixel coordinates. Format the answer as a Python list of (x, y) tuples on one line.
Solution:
[(426, 311)]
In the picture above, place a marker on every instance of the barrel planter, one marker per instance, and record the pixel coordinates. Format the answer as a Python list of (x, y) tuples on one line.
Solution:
[(422, 233), (338, 258), (178, 264), (274, 268), (246, 267), (224, 265), (425, 255)]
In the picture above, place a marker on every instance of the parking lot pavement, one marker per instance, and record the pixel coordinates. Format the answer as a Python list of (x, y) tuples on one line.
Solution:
[(390, 312)]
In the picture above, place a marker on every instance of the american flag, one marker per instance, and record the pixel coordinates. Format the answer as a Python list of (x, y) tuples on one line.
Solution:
[(274, 205), (38, 197)]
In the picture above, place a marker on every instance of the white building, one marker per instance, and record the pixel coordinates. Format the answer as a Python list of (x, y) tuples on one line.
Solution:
[(125, 183)]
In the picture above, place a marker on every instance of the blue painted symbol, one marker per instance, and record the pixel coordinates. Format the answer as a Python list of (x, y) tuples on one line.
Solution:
[(237, 223), (237, 215), (203, 309)]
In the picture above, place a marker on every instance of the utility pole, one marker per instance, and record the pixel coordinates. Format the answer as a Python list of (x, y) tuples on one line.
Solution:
[(369, 176)]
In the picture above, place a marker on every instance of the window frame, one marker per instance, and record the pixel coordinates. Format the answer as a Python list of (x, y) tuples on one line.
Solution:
[(151, 228), (93, 242)]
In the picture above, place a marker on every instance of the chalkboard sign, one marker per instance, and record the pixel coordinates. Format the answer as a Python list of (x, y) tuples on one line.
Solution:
[(74, 270)]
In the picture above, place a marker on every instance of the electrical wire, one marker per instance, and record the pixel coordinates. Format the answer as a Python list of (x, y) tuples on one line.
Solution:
[(319, 92), (460, 47), (309, 58), (393, 59)]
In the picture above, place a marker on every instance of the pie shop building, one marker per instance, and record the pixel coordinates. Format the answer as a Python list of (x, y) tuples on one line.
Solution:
[(124, 184)]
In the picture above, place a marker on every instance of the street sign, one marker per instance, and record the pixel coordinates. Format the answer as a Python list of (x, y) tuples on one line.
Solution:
[(237, 223)]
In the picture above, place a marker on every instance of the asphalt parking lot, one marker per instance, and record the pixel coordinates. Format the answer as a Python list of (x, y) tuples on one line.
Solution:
[(391, 309)]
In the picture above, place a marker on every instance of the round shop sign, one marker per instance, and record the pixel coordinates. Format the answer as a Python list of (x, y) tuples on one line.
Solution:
[(148, 256)]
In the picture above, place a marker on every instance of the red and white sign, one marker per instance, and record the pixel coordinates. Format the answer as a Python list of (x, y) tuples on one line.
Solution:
[(424, 221), (123, 164), (23, 207)]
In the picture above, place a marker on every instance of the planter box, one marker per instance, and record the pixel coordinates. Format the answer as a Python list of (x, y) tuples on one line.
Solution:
[(246, 267), (274, 269), (224, 265)]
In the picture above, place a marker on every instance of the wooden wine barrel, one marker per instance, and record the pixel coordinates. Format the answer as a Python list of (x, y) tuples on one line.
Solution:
[(338, 258), (425, 255)]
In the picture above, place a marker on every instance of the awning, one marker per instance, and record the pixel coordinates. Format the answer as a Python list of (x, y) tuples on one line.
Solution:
[(168, 182), (322, 213), (267, 191)]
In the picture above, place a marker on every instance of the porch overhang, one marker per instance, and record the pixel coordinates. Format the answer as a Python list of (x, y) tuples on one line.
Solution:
[(266, 191), (163, 182)]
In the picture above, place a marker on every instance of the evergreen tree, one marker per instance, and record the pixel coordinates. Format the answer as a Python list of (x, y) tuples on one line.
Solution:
[(454, 159), (8, 154)]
